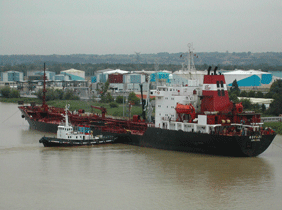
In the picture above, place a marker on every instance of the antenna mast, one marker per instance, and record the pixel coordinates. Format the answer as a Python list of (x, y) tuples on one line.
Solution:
[(190, 58), (44, 105)]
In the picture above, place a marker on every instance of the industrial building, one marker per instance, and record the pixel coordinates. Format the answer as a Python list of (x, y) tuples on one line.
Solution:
[(74, 74), (38, 75), (182, 77), (11, 76), (250, 78)]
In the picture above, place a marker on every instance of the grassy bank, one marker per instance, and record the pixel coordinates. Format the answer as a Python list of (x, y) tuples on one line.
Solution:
[(86, 105), (277, 126), (77, 104)]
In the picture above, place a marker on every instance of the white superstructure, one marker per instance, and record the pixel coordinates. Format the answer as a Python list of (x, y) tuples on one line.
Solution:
[(66, 131), (167, 99)]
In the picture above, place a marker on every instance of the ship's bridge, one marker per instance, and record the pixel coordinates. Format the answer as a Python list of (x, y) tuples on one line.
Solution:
[(175, 91)]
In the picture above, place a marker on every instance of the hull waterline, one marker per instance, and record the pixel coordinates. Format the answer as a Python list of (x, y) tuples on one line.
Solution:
[(178, 140)]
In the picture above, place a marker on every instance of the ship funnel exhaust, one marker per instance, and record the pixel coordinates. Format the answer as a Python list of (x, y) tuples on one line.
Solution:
[(209, 70), (215, 68)]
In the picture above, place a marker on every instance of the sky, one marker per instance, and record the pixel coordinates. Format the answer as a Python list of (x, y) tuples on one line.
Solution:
[(148, 26)]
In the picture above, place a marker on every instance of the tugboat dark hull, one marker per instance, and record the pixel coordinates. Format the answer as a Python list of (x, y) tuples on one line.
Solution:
[(55, 142)]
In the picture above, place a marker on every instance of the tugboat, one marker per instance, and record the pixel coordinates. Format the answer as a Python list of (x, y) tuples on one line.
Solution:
[(66, 136)]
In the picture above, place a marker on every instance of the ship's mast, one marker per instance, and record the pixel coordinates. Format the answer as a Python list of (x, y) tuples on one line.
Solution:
[(66, 115), (190, 58), (44, 105)]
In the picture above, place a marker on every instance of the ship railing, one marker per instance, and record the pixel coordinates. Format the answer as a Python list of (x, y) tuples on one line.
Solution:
[(236, 129), (271, 119)]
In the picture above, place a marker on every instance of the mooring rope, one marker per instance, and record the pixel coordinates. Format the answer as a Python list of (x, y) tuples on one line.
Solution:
[(11, 116)]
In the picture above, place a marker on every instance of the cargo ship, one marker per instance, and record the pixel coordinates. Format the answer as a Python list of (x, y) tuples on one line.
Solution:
[(190, 118)]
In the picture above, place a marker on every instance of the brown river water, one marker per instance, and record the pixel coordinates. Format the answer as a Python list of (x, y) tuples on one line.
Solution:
[(119, 176)]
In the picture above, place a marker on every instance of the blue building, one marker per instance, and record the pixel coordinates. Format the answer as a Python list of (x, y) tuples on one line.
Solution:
[(11, 76), (160, 75)]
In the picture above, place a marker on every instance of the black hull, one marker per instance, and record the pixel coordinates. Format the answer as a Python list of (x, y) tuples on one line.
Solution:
[(181, 141), (54, 142), (238, 146)]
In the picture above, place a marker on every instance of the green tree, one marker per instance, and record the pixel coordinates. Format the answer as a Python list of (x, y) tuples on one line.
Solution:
[(263, 108), (8, 92), (275, 107), (14, 93), (113, 105), (133, 99), (268, 95), (59, 93), (247, 104), (53, 94), (5, 91), (119, 99), (243, 94), (104, 88), (233, 97), (259, 94), (108, 98), (276, 87), (235, 87), (251, 93), (70, 95)]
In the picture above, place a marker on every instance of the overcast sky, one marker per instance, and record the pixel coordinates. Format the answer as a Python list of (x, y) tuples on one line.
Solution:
[(146, 26)]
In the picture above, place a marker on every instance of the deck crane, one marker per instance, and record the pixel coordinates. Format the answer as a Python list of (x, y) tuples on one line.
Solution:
[(103, 110)]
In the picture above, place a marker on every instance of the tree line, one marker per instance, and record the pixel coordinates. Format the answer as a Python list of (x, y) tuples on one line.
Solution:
[(90, 69), (275, 92)]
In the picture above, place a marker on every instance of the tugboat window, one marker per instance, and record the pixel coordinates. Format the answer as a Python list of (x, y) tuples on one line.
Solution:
[(222, 93), (218, 92), (221, 83), (217, 84)]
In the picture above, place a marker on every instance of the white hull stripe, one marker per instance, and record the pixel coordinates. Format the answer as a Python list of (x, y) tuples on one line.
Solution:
[(214, 87)]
